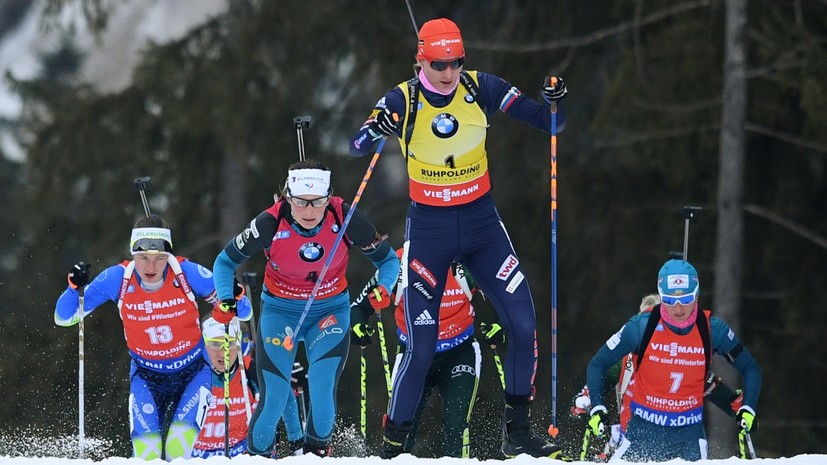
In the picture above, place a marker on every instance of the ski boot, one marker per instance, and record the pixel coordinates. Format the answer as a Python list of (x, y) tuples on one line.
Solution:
[(296, 447), (517, 435), (394, 439), (315, 447)]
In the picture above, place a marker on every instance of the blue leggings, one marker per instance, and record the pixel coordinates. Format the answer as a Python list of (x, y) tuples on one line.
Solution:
[(647, 442), (474, 235), (325, 336), (180, 399)]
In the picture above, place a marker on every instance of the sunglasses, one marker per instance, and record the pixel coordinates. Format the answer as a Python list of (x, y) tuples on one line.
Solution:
[(671, 300), (151, 246), (443, 65), (217, 344), (302, 203)]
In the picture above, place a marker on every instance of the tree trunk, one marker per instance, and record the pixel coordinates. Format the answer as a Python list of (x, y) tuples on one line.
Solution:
[(729, 246)]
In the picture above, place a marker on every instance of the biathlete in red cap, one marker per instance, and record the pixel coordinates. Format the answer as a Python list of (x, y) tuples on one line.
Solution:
[(442, 125)]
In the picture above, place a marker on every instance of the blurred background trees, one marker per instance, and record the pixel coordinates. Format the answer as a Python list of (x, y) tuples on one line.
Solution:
[(209, 117)]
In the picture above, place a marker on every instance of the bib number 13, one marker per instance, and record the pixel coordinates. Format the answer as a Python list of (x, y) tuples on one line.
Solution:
[(159, 334)]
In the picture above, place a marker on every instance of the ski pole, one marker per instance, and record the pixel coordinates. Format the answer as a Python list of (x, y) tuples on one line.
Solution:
[(383, 347), (586, 439), (227, 390), (248, 280), (288, 340), (299, 393), (745, 445), (363, 386), (499, 365), (489, 333), (81, 410), (552, 429), (413, 21), (246, 390)]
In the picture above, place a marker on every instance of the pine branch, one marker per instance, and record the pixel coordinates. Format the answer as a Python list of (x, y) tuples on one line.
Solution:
[(788, 224), (596, 36)]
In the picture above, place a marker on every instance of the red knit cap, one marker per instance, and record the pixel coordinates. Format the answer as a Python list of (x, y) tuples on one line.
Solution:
[(440, 40)]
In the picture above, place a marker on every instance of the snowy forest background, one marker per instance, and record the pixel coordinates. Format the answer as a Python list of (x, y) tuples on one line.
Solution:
[(712, 103)]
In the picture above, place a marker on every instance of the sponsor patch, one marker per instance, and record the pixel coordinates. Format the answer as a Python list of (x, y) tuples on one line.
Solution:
[(677, 281), (507, 267), (253, 229), (204, 272), (424, 318), (423, 272), (515, 282), (328, 322), (421, 289), (311, 252), (444, 125), (613, 341)]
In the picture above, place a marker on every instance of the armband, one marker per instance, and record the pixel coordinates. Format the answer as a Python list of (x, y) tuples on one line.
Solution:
[(734, 353)]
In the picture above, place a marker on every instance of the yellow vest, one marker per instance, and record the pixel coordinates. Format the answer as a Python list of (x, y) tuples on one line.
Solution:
[(446, 157)]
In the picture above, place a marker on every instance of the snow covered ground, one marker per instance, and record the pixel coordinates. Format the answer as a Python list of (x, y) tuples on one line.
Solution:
[(401, 460), (29, 447)]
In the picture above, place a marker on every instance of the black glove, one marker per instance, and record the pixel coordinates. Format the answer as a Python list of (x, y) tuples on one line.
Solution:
[(298, 377), (383, 124), (554, 89), (598, 421), (746, 420), (360, 334), (493, 334), (238, 290), (79, 275)]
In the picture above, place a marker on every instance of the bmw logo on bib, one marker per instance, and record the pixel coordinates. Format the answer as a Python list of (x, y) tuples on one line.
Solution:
[(444, 125), (311, 252)]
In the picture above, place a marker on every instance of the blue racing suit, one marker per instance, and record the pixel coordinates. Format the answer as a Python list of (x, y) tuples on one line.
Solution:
[(655, 433), (452, 217), (169, 376), (326, 325)]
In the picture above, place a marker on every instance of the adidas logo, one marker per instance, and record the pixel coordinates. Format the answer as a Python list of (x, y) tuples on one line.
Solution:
[(424, 318)]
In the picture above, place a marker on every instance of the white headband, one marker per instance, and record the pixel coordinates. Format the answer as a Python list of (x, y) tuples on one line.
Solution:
[(150, 235), (308, 182), (212, 329)]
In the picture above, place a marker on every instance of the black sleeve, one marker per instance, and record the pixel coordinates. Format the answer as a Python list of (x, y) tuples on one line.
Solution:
[(360, 309), (257, 236), (360, 231)]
